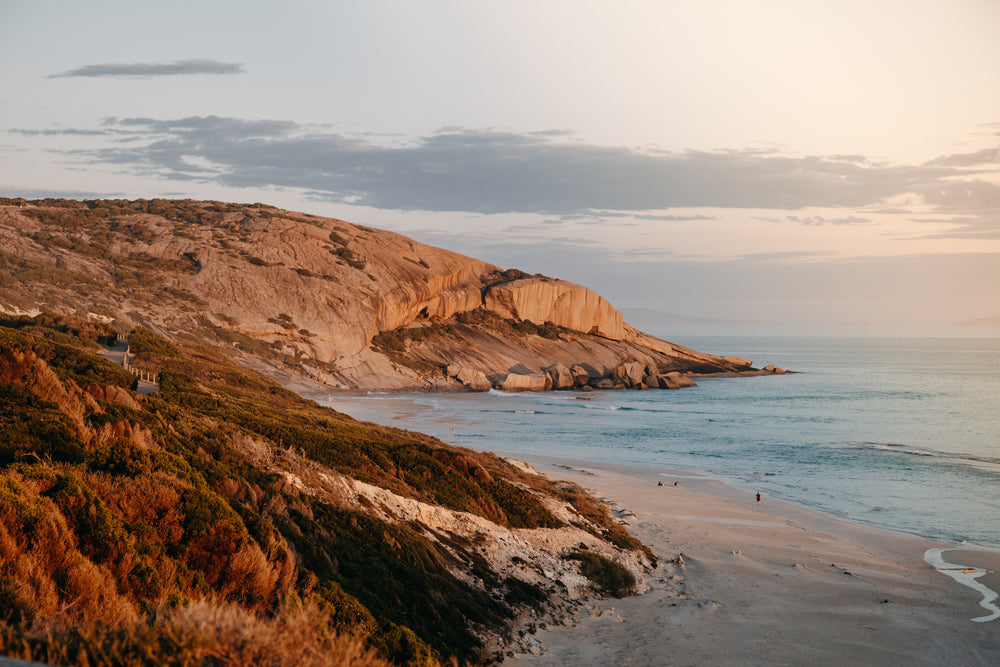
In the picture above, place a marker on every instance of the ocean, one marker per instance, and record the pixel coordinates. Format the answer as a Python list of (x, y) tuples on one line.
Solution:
[(898, 433)]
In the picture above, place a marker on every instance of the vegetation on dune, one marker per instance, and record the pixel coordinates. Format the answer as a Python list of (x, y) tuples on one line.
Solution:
[(606, 575), (150, 530)]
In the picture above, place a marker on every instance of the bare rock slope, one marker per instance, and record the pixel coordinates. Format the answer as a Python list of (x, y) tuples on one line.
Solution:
[(343, 305)]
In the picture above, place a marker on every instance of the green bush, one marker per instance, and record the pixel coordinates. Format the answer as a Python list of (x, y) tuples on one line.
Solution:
[(148, 346), (606, 575), (403, 647), (31, 428)]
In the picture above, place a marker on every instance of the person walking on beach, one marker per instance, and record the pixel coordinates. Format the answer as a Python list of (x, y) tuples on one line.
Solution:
[(758, 499)]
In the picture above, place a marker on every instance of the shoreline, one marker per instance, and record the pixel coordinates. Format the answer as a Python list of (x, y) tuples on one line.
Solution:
[(785, 583), (777, 583), (375, 406)]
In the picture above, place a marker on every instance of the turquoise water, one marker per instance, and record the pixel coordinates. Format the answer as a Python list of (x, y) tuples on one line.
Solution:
[(899, 433)]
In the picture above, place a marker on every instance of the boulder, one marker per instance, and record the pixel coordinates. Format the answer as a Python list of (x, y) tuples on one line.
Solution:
[(652, 381), (604, 383), (561, 376), (738, 361), (533, 382), (629, 373), (580, 375), (473, 379), (676, 380)]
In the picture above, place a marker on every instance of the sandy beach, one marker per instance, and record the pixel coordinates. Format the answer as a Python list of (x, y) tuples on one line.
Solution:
[(771, 584)]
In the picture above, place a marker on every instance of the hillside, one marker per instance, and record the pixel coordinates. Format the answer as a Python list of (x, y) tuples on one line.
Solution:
[(223, 519), (323, 301)]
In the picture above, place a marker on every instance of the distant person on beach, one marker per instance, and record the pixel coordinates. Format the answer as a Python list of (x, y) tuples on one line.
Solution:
[(660, 483), (758, 498), (676, 483)]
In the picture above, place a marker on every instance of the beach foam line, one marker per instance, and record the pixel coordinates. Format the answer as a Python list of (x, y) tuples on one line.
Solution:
[(967, 577)]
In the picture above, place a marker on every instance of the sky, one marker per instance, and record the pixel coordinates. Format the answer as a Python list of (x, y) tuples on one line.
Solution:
[(781, 167)]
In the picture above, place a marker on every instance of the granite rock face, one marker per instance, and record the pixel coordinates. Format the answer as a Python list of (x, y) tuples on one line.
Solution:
[(562, 303)]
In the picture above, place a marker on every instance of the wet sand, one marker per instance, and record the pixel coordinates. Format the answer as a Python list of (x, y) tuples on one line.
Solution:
[(773, 584)]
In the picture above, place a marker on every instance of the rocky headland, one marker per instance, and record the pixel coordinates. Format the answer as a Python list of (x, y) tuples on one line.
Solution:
[(323, 304), (216, 513)]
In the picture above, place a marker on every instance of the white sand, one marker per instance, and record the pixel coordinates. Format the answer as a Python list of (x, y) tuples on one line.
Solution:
[(769, 585)]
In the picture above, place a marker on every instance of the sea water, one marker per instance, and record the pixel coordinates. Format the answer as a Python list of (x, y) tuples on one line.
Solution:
[(899, 433)]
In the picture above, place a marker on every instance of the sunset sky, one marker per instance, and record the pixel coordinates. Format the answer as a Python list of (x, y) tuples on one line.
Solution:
[(741, 167)]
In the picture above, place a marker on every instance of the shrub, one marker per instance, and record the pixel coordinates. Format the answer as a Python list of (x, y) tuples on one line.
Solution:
[(606, 575), (403, 647), (521, 592), (198, 633), (32, 427), (147, 346)]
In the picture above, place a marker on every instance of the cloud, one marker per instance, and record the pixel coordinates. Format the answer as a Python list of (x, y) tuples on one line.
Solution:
[(147, 70), (61, 132), (786, 256), (674, 218), (598, 216), (986, 227), (44, 193), (957, 196), (489, 171), (986, 156), (820, 220)]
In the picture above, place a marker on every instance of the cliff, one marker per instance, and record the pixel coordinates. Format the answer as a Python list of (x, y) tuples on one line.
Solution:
[(561, 303), (317, 302)]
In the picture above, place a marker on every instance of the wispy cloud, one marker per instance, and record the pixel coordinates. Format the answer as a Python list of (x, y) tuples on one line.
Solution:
[(598, 216), (984, 157), (147, 70), (786, 256), (548, 173), (820, 220)]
